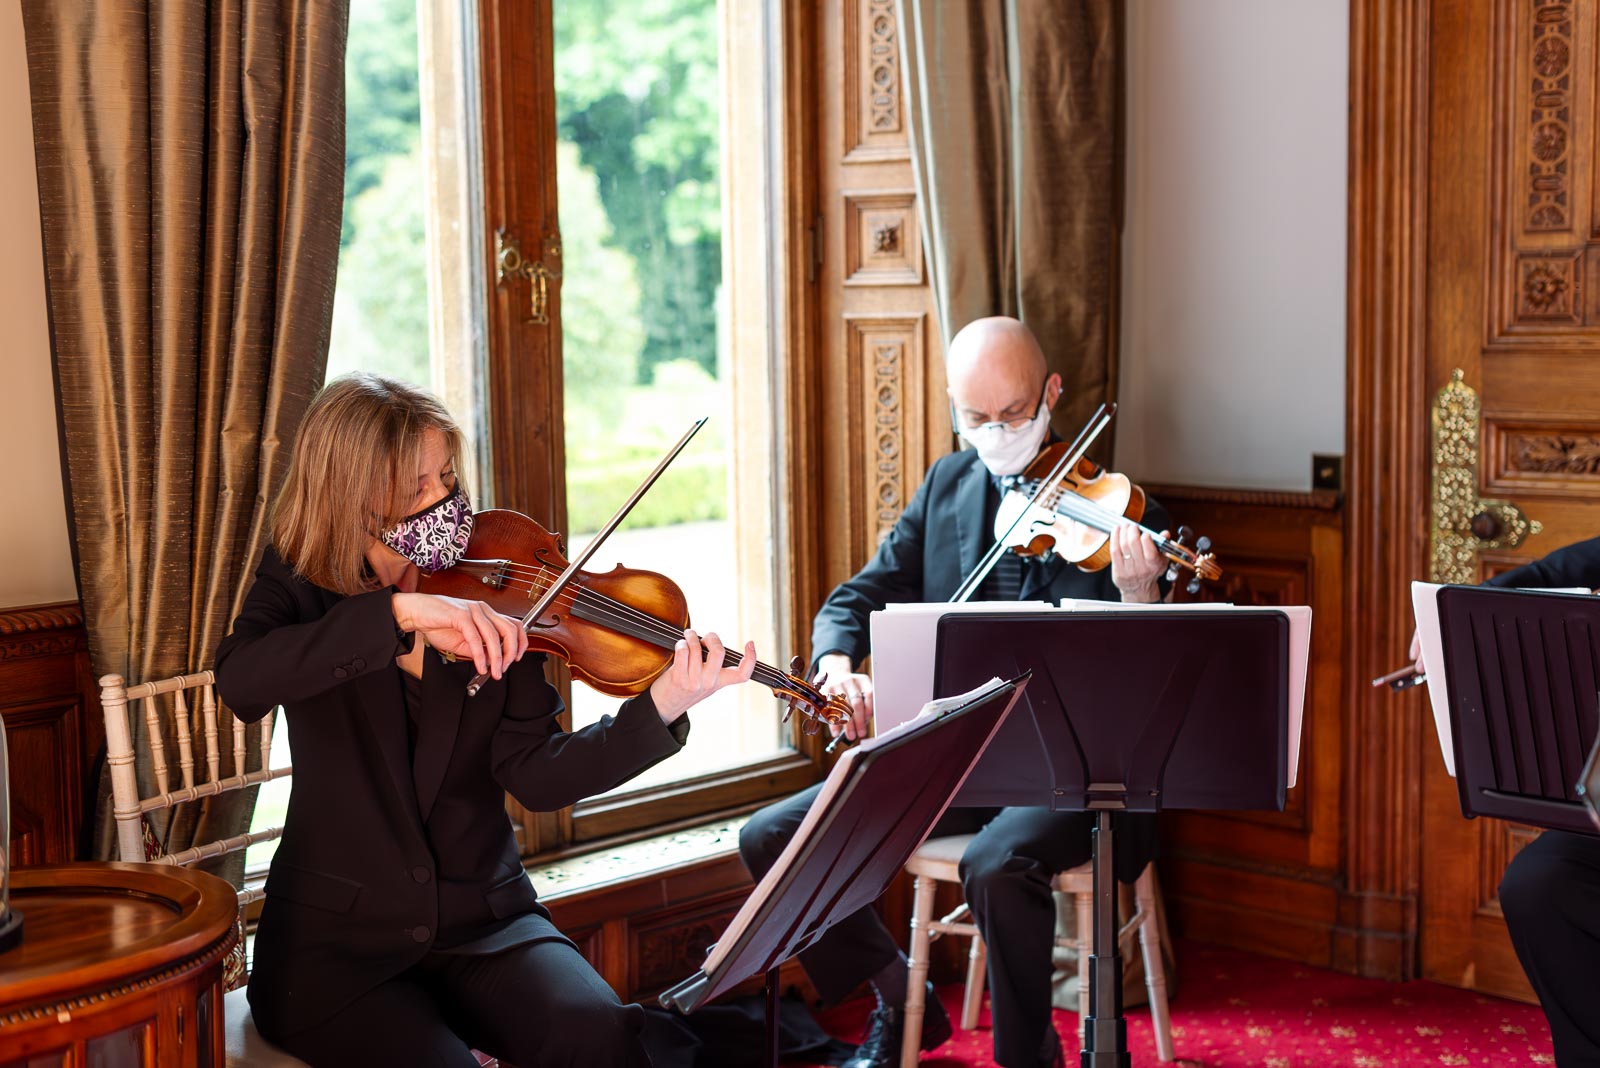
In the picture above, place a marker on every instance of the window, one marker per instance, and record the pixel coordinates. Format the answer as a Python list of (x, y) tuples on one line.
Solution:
[(663, 305), (641, 95)]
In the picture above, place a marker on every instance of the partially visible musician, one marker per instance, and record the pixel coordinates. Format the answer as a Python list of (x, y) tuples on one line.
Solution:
[(1002, 395), (1550, 893)]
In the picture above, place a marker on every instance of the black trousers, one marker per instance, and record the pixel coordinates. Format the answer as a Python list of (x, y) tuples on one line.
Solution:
[(534, 1005), (1551, 898), (1005, 874)]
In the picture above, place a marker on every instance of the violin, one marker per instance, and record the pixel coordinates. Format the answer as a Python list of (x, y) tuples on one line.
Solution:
[(1075, 519), (616, 630)]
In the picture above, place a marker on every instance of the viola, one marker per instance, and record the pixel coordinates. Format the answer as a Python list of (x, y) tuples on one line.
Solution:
[(1076, 517), (615, 630)]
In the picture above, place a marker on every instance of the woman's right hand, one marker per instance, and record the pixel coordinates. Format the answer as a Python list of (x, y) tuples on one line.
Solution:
[(464, 629), (1415, 651)]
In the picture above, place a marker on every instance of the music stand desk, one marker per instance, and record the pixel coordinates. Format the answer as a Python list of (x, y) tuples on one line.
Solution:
[(1131, 711), (876, 806), (1521, 672)]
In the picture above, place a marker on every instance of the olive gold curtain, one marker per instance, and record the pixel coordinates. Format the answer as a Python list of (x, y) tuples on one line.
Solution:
[(191, 171), (1015, 117)]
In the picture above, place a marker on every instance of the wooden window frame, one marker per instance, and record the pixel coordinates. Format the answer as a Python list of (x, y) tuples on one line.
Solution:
[(526, 461)]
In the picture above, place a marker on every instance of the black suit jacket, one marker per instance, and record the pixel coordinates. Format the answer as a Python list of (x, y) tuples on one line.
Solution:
[(1576, 565), (379, 855), (936, 543)]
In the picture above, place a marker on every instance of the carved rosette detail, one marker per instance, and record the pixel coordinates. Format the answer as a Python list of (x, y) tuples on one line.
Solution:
[(883, 67), (1549, 288), (1550, 116), (886, 238), (889, 452), (1457, 414)]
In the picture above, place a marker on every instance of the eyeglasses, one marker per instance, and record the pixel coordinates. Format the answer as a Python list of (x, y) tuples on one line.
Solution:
[(1016, 422)]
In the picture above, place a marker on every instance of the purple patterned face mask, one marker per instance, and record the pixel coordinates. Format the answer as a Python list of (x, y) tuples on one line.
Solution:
[(436, 537)]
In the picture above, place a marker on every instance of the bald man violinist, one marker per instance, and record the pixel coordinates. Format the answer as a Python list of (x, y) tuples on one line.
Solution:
[(1001, 395)]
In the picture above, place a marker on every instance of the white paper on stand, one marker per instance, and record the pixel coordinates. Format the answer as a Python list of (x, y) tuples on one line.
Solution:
[(1299, 651), (902, 655)]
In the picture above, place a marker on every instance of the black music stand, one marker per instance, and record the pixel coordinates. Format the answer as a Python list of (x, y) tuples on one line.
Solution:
[(878, 804), (1132, 711), (1522, 676)]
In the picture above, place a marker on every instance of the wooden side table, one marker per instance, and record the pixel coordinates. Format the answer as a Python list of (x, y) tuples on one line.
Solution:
[(120, 965)]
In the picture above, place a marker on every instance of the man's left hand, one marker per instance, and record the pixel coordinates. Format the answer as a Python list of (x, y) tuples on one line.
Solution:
[(1136, 564)]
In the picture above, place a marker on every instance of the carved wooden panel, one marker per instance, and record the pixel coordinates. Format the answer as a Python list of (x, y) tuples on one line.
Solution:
[(886, 364), (670, 945), (882, 240), (1543, 174), (874, 119), (1535, 455), (52, 718)]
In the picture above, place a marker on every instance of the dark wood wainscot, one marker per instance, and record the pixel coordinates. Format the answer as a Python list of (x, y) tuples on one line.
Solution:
[(53, 726), (1270, 882)]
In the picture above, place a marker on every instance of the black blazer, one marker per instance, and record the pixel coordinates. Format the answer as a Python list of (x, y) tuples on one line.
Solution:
[(1576, 565), (936, 543), (381, 857)]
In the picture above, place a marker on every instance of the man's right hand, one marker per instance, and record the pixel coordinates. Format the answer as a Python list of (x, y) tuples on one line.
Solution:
[(836, 677)]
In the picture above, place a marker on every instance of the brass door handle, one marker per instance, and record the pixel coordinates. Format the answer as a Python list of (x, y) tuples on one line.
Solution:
[(510, 264), (1463, 523)]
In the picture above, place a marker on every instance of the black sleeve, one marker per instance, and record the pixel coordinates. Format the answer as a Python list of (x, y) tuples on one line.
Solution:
[(892, 576), (546, 768), (273, 656), (1575, 565)]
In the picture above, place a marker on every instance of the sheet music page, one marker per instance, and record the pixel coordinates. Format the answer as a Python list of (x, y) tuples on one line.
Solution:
[(1299, 651)]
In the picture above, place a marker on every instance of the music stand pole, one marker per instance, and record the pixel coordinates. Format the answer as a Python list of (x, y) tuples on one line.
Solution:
[(772, 1017), (1105, 1032)]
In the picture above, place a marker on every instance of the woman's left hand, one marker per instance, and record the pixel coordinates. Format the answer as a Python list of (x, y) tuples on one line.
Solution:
[(696, 672), (1135, 563)]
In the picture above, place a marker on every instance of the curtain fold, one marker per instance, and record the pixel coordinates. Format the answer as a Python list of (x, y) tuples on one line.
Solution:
[(191, 177), (1015, 125)]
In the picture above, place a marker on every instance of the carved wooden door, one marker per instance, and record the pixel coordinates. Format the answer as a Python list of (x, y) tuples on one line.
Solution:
[(1513, 217)]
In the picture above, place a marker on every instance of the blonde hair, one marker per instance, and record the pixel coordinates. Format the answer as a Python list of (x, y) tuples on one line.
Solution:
[(356, 452)]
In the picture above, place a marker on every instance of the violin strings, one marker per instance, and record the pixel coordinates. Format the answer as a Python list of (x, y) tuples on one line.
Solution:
[(1091, 514), (623, 616)]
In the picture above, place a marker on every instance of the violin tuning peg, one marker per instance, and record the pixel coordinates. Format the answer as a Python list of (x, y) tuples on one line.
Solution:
[(1194, 585), (795, 665), (1172, 572), (810, 727), (788, 710), (1203, 545), (1185, 535)]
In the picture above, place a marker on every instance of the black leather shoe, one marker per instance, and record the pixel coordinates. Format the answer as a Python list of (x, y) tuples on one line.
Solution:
[(886, 1027)]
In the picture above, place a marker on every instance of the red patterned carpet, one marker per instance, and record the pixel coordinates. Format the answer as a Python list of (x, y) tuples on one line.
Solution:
[(1235, 1010)]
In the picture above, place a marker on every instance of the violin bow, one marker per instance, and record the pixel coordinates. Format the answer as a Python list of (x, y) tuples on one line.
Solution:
[(561, 583), (1080, 445)]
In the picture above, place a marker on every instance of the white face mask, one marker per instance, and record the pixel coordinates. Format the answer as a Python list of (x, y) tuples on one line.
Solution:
[(1005, 451)]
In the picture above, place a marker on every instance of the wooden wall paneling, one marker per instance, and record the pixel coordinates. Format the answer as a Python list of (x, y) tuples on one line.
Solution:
[(1269, 881), (1386, 490), (879, 358), (52, 716)]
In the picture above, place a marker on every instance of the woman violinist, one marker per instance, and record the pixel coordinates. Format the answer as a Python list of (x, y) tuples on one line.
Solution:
[(399, 927)]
